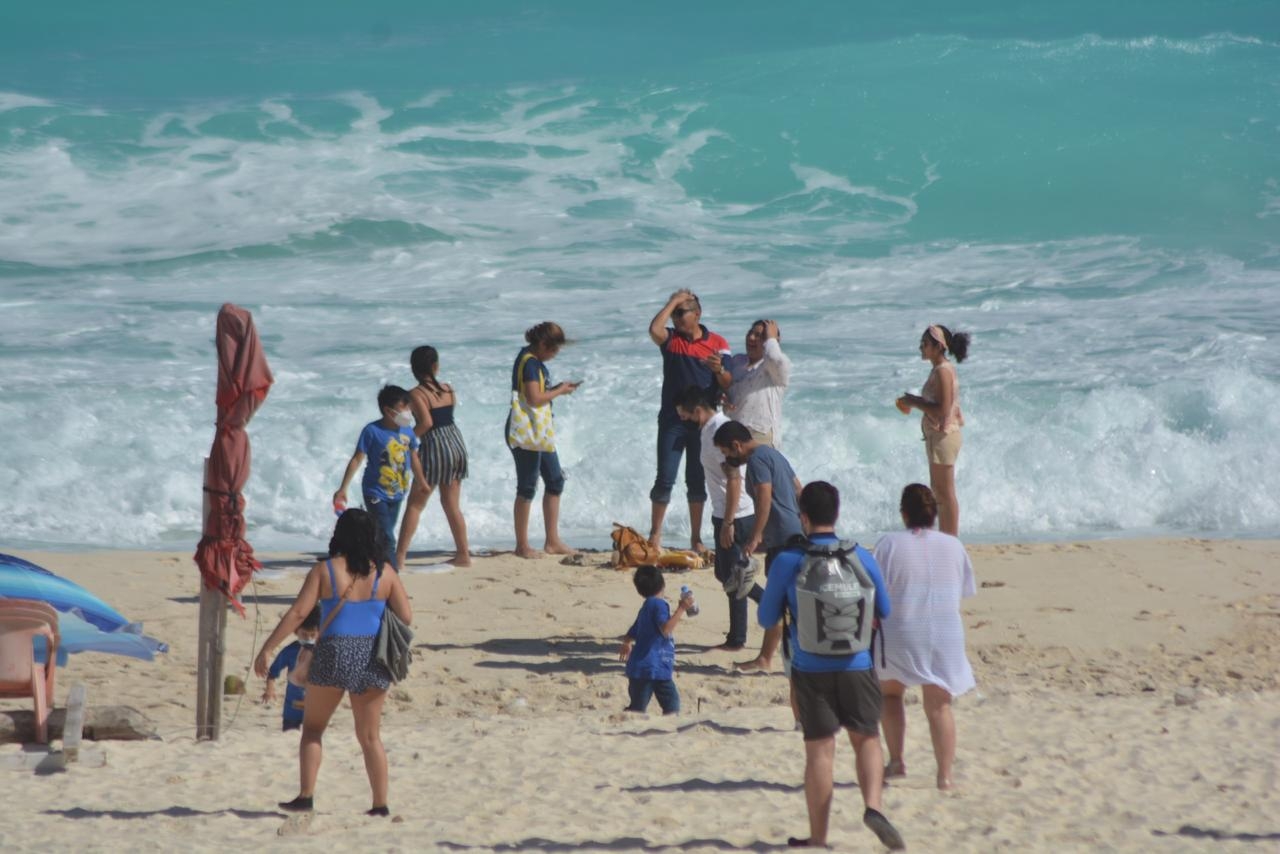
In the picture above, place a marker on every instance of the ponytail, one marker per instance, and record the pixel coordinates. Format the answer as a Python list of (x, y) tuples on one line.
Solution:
[(957, 343)]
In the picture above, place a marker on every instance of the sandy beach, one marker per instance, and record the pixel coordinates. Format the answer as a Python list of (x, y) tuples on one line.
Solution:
[(1128, 699)]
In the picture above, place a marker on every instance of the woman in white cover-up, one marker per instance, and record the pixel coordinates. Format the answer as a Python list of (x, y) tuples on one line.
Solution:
[(927, 573)]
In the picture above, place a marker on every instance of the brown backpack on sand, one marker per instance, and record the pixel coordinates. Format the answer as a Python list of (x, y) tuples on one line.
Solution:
[(630, 548)]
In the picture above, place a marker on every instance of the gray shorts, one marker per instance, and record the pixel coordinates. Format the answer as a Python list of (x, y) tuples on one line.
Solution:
[(828, 701)]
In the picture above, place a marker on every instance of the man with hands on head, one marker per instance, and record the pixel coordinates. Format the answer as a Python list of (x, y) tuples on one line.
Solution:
[(691, 356)]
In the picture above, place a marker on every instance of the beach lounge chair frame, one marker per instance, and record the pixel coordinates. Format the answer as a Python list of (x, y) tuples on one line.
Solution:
[(21, 621)]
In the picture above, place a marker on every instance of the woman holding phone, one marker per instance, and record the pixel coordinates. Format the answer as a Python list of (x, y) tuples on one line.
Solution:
[(530, 436)]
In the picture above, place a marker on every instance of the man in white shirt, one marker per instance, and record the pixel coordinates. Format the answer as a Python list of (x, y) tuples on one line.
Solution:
[(732, 511), (759, 380)]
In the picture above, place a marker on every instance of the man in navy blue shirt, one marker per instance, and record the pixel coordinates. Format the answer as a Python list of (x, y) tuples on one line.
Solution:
[(691, 355), (831, 691)]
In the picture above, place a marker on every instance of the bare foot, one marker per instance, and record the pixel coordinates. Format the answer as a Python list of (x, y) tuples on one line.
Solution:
[(528, 553), (655, 540), (558, 548), (895, 768), (461, 560), (944, 784), (698, 547), (761, 664)]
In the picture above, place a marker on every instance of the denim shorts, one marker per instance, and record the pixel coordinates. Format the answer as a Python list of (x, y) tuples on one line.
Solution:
[(530, 464)]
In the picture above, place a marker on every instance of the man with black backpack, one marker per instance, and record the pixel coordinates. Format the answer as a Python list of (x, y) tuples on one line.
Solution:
[(828, 594)]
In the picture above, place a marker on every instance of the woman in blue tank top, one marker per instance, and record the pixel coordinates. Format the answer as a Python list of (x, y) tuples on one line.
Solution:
[(353, 586)]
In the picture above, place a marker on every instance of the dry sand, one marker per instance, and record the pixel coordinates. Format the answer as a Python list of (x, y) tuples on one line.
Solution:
[(508, 734)]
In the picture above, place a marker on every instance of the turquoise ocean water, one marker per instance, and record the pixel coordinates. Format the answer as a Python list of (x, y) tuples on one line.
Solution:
[(1093, 190)]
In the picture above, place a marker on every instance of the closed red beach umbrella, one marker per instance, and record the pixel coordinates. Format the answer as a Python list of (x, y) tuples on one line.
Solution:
[(225, 559)]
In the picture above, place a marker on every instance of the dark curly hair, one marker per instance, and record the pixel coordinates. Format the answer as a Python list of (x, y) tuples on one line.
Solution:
[(359, 539)]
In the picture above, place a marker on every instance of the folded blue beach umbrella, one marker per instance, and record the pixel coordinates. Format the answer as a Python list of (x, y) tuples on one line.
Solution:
[(85, 622)]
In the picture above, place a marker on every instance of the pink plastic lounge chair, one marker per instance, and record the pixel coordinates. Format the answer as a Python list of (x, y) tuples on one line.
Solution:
[(21, 621)]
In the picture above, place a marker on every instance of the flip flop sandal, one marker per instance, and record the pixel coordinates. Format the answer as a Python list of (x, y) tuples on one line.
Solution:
[(884, 831)]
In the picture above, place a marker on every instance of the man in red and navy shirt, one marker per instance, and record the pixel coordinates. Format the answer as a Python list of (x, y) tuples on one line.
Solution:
[(691, 356)]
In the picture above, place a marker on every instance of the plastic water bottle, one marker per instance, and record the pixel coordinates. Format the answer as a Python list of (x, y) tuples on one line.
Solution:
[(687, 593), (339, 506)]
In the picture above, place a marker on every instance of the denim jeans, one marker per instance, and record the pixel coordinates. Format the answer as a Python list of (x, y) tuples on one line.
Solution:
[(678, 438), (387, 515), (725, 559), (642, 690), (529, 464)]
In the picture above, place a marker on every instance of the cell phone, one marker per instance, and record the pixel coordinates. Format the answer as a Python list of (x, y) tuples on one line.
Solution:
[(575, 382)]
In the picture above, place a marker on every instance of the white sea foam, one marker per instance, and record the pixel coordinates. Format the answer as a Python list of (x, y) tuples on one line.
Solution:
[(1105, 393), (1209, 43)]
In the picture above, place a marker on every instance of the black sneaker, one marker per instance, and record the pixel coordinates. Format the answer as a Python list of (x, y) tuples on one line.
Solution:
[(298, 804), (884, 831)]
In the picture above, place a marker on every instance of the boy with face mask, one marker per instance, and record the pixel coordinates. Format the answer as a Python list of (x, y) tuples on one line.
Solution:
[(391, 447), (295, 659)]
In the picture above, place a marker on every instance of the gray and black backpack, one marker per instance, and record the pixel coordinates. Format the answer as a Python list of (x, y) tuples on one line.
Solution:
[(835, 600)]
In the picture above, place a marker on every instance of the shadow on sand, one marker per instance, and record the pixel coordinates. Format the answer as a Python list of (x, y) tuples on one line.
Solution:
[(168, 812), (697, 784), (1193, 832), (563, 654), (624, 843)]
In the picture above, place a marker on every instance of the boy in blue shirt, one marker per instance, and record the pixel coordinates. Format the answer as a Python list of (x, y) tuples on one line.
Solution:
[(648, 648), (295, 691), (391, 447), (831, 692)]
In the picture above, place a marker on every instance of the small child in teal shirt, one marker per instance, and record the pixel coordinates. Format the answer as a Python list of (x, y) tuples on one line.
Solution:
[(296, 659)]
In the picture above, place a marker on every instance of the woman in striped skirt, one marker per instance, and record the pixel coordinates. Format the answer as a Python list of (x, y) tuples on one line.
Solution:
[(443, 453)]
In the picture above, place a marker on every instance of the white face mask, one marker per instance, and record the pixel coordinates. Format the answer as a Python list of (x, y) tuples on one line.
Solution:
[(404, 418)]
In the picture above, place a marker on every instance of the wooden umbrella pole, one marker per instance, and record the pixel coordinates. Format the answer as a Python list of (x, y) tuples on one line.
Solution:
[(213, 624), (211, 644)]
